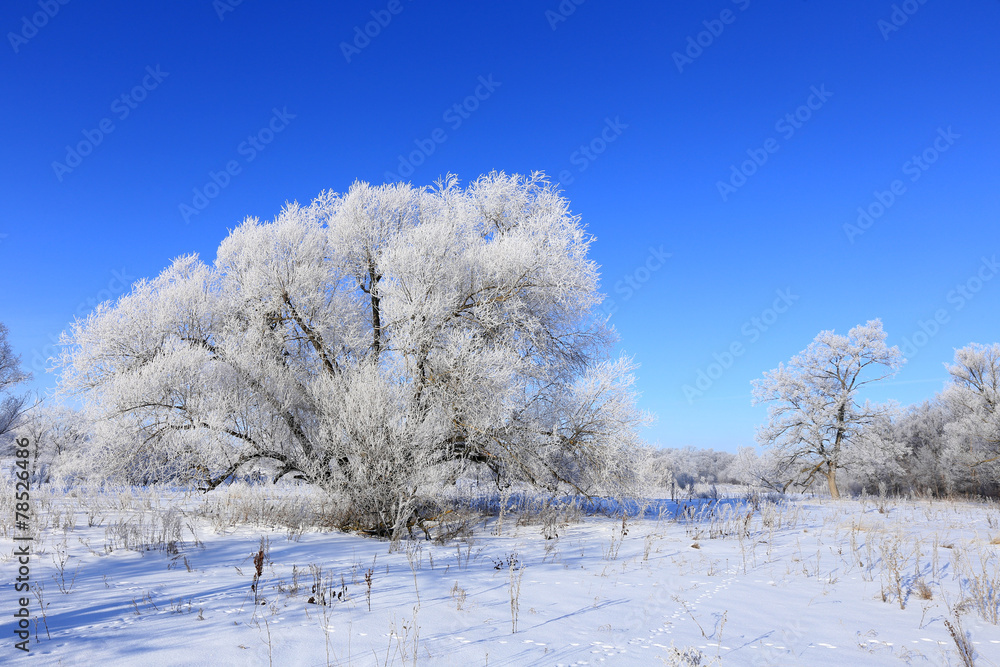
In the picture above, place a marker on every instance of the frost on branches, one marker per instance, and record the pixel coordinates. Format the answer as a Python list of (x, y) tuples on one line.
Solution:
[(815, 419), (371, 343)]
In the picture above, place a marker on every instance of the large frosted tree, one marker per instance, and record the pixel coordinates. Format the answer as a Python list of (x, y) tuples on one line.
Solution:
[(370, 343), (814, 413)]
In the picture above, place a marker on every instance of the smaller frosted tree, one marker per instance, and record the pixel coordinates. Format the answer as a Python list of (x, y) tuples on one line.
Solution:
[(11, 405), (877, 454), (749, 468), (922, 430), (57, 437), (974, 397), (814, 414)]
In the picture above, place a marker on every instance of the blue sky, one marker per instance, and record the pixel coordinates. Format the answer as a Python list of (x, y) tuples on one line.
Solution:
[(739, 138)]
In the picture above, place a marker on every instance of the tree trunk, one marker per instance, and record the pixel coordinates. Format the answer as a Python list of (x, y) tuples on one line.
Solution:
[(376, 315), (834, 458), (831, 480)]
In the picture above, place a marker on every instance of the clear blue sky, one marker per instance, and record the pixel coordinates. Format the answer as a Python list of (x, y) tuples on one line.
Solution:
[(639, 137)]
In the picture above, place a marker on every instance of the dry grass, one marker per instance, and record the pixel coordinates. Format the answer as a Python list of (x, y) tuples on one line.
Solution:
[(962, 642), (924, 591)]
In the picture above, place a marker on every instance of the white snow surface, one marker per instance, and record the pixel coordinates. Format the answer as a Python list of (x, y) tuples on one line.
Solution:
[(805, 582)]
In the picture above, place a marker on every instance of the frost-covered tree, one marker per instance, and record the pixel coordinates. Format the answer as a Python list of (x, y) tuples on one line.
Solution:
[(972, 437), (975, 393), (756, 470), (814, 414), (877, 453), (11, 405), (368, 342), (57, 438), (921, 429)]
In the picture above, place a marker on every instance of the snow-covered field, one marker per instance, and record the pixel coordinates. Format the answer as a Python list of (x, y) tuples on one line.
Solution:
[(167, 578)]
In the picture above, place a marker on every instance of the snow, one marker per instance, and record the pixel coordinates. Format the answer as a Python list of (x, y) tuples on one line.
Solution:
[(797, 583)]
